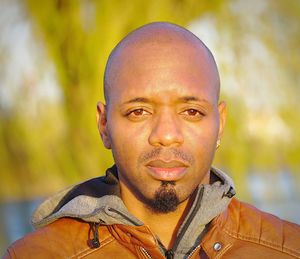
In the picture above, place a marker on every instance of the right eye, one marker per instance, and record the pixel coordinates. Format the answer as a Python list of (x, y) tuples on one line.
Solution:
[(137, 114)]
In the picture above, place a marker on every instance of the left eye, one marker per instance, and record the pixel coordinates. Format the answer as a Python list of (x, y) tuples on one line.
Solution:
[(193, 114)]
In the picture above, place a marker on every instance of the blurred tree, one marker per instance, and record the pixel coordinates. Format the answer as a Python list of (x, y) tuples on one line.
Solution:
[(256, 47), (261, 46), (78, 36), (59, 145)]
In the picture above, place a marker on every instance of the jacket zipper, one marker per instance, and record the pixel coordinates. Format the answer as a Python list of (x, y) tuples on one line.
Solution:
[(145, 253), (194, 250), (169, 254)]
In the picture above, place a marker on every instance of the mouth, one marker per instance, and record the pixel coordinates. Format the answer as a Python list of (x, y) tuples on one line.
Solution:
[(167, 170)]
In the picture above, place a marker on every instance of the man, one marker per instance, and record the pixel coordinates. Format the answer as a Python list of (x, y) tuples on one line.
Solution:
[(162, 199)]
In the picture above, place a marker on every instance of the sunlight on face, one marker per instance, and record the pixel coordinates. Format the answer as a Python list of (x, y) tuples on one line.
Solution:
[(163, 119)]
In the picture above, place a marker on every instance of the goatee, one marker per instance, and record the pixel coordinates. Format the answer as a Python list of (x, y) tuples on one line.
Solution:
[(165, 199)]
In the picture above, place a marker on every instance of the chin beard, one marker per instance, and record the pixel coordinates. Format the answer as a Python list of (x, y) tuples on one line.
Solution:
[(165, 199)]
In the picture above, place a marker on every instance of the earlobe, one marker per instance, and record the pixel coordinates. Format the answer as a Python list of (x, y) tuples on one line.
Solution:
[(222, 118), (102, 124)]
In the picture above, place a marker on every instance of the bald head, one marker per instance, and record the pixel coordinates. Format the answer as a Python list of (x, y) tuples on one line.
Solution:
[(159, 38), (162, 90)]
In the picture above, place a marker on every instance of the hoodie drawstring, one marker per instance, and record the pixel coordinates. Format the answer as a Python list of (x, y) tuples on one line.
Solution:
[(95, 243)]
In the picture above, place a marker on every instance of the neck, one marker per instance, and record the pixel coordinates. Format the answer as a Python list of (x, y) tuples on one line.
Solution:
[(164, 225)]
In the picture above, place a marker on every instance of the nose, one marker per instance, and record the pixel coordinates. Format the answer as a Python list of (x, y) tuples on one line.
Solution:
[(166, 130)]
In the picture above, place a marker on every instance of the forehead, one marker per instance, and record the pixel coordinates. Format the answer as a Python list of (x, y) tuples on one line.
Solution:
[(164, 71)]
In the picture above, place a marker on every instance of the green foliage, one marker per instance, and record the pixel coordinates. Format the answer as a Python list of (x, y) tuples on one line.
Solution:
[(61, 145)]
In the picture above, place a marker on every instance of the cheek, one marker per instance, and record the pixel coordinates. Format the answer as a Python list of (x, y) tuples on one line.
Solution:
[(202, 136), (127, 140)]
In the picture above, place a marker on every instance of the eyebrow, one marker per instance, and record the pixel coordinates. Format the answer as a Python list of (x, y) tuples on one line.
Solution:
[(138, 100), (187, 99), (184, 99)]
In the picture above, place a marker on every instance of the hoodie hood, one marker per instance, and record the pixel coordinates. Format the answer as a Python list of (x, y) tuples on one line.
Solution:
[(96, 200)]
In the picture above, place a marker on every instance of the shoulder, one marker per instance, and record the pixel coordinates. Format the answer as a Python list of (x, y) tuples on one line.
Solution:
[(63, 238), (259, 229)]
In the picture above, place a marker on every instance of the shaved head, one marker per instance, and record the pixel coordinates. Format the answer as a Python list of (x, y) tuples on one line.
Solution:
[(162, 118), (157, 36)]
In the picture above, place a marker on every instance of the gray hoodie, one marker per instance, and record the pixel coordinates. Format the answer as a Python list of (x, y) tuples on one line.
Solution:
[(98, 200)]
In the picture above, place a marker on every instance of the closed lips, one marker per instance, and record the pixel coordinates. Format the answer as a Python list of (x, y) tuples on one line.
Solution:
[(167, 171), (163, 164)]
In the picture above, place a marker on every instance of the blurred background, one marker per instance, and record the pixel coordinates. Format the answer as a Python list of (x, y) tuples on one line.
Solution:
[(52, 57)]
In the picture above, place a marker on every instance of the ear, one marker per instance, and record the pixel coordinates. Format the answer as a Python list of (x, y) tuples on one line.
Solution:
[(102, 124), (222, 118)]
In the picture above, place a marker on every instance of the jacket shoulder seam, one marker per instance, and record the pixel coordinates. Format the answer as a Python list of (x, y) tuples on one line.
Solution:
[(261, 242)]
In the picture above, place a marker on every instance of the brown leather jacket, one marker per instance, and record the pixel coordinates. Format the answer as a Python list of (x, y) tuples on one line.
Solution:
[(241, 231)]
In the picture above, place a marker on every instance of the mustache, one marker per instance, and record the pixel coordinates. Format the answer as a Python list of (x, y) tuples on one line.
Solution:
[(166, 154)]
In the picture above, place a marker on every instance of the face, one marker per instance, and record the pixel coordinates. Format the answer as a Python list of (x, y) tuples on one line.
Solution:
[(163, 118)]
